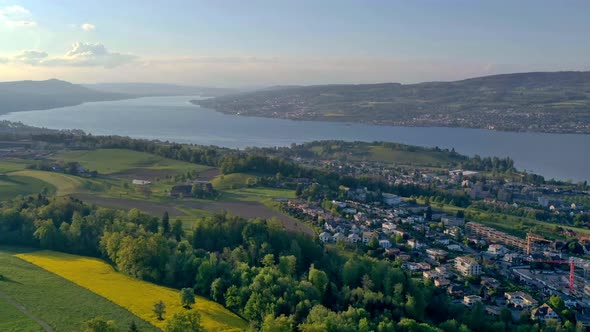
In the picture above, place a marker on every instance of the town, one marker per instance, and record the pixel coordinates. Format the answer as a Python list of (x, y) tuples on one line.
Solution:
[(534, 277)]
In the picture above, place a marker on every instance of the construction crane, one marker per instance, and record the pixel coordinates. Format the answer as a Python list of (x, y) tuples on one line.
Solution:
[(530, 238), (572, 265)]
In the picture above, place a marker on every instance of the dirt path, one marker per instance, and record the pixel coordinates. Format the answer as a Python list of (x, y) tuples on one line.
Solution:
[(24, 310)]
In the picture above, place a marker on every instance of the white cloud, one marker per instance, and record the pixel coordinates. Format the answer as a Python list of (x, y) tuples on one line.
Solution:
[(80, 55), (31, 57), (17, 17), (88, 27)]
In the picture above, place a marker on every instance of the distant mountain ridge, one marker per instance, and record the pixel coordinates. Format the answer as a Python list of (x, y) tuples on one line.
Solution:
[(556, 102), (158, 89), (39, 95)]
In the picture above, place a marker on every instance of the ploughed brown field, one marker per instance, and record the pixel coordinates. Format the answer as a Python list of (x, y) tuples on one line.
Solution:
[(242, 209)]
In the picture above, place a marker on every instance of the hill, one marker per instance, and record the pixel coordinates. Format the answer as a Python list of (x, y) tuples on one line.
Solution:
[(38, 95), (156, 89), (541, 101)]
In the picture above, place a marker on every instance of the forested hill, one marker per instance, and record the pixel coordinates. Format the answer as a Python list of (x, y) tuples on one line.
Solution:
[(39, 95), (541, 101)]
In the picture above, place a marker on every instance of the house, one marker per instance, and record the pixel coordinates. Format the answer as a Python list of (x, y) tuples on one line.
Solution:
[(140, 182), (471, 300), (388, 227), (326, 237), (543, 313), (436, 254), (339, 237), (391, 199), (353, 238), (205, 186), (513, 259), (497, 249), (456, 290), (520, 300), (467, 266), (442, 282), (453, 231), (181, 190), (367, 236), (415, 244), (384, 244)]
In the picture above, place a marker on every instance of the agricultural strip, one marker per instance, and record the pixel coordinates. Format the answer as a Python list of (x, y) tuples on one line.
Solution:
[(135, 295), (60, 303)]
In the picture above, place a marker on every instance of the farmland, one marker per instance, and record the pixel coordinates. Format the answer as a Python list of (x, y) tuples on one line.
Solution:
[(113, 161), (25, 283), (135, 295), (14, 185)]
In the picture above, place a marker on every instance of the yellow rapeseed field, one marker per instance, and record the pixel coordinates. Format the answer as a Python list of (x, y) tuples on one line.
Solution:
[(135, 295)]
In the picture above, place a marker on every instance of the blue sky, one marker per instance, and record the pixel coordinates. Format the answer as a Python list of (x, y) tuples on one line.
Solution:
[(253, 43)]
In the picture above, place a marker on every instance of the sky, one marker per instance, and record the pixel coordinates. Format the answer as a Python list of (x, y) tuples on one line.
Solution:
[(255, 43)]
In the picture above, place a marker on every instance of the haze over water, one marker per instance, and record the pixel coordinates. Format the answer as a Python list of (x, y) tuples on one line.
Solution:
[(560, 156)]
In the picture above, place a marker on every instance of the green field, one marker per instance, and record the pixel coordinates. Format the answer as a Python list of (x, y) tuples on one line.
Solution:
[(12, 165), (110, 161), (263, 192), (232, 181), (15, 185), (13, 320), (390, 156), (63, 183), (54, 300)]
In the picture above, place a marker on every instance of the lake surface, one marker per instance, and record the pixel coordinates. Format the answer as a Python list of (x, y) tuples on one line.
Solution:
[(560, 156)]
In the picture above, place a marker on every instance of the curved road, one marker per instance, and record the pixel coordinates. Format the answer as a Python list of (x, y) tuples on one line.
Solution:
[(24, 310)]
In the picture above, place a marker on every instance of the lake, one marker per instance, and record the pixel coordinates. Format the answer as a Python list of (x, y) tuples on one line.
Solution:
[(560, 156)]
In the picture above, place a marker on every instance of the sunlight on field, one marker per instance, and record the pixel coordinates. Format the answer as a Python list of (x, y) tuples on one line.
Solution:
[(64, 184), (136, 296)]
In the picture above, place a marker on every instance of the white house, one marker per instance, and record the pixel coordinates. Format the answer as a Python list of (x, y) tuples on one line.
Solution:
[(141, 182), (326, 237)]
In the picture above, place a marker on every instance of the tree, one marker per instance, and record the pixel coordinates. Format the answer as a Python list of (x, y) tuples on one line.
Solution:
[(184, 322), (99, 324), (277, 324), (557, 303), (177, 229), (165, 223), (319, 279), (187, 297), (159, 309)]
